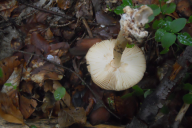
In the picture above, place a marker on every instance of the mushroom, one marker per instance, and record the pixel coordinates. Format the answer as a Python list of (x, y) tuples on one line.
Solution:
[(113, 66)]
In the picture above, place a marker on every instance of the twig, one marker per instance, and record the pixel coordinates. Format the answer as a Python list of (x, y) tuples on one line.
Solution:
[(87, 27), (180, 115), (62, 25), (48, 11), (95, 95)]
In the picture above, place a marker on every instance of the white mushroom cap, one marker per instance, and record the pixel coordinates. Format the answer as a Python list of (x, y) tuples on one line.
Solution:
[(132, 22), (130, 72)]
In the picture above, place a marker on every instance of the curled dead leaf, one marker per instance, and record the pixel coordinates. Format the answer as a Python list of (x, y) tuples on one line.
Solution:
[(67, 117), (8, 111)]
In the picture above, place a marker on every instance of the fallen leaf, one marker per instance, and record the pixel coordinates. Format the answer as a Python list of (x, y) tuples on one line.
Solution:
[(64, 4), (67, 117), (7, 65), (8, 111), (27, 106)]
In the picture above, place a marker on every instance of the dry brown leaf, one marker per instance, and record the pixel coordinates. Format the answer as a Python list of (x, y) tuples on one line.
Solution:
[(83, 46), (27, 86), (27, 106), (14, 80), (7, 4), (7, 65), (184, 8), (8, 111), (48, 103), (7, 13), (48, 85), (45, 72), (67, 117), (64, 4), (38, 41)]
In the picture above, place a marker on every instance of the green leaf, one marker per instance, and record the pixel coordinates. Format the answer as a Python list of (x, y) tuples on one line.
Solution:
[(166, 26), (147, 26), (1, 73), (178, 24), (126, 95), (8, 84), (159, 34), (187, 86), (59, 93), (147, 93), (168, 18), (164, 110), (168, 39), (128, 3), (155, 8), (185, 38), (119, 9), (15, 87), (151, 18), (190, 19), (158, 24), (168, 8), (164, 51), (187, 98), (32, 126), (130, 45), (137, 90)]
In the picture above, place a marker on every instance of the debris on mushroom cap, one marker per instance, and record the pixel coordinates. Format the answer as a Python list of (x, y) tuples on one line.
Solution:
[(130, 72), (133, 21)]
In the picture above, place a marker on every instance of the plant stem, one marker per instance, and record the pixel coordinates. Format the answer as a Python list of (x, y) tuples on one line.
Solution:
[(118, 49)]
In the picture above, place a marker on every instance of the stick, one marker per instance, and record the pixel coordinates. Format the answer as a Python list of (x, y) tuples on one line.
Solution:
[(87, 27)]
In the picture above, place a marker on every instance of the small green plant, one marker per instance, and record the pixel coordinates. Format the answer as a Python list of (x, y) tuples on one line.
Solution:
[(32, 126), (167, 29), (187, 98), (9, 85), (137, 92), (1, 73), (59, 93)]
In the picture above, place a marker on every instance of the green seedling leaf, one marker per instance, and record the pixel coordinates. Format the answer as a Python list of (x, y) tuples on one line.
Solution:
[(147, 93), (130, 45), (168, 8), (178, 24), (187, 86), (190, 19), (32, 126), (158, 24), (128, 3), (168, 18), (164, 51), (1, 73), (127, 96), (8, 84), (164, 110), (187, 98), (185, 38), (147, 26), (166, 26), (155, 8), (168, 39), (59, 93), (159, 34), (119, 9), (151, 18), (137, 90)]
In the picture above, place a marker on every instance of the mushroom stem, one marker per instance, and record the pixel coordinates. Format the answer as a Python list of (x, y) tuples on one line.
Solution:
[(118, 49)]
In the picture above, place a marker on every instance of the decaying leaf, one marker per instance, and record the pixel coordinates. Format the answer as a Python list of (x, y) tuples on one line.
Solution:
[(14, 80), (48, 103), (7, 65), (67, 117), (83, 46), (7, 4), (64, 4), (84, 9), (27, 106), (8, 111)]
